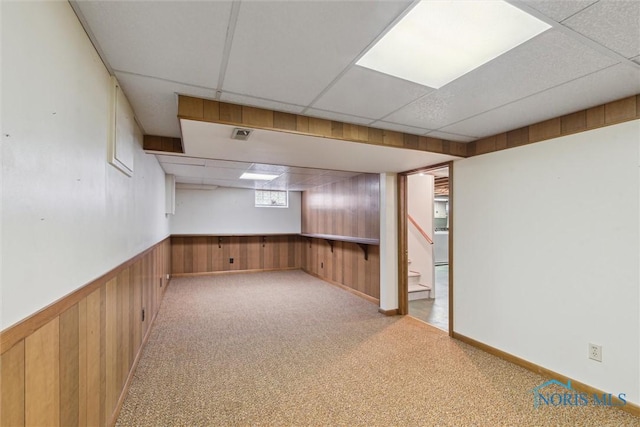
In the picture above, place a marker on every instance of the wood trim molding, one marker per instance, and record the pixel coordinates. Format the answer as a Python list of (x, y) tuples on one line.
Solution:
[(217, 273), (451, 263), (205, 110), (162, 143), (577, 385), (608, 114), (15, 333), (373, 300), (393, 312), (403, 246)]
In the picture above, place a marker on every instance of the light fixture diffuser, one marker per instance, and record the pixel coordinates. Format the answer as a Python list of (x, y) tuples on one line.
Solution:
[(439, 41), (258, 176)]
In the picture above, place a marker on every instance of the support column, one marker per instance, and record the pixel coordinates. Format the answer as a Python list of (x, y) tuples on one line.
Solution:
[(388, 243)]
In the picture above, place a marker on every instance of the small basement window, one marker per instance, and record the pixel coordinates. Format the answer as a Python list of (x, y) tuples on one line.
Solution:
[(272, 199)]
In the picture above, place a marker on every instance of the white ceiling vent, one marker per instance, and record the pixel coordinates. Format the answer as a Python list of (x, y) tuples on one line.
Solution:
[(241, 134)]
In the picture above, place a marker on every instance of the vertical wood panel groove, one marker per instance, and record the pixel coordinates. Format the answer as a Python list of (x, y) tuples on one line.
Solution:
[(73, 370)]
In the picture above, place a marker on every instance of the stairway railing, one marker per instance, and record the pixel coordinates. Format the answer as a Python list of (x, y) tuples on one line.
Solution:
[(420, 230)]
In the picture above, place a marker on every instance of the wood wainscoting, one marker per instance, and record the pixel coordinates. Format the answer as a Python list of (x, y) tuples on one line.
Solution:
[(349, 208), (70, 364), (344, 264), (193, 255)]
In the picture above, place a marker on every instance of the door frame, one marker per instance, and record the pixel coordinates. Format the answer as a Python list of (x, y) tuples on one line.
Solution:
[(403, 247)]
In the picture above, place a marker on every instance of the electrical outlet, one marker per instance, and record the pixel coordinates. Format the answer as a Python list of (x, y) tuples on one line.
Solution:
[(322, 265), (230, 260), (595, 352)]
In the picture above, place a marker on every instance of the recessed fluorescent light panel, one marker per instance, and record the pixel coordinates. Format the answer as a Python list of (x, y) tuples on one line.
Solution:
[(258, 176), (439, 41)]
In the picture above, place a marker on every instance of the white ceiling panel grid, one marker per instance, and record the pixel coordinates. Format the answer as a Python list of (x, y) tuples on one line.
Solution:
[(290, 51), (614, 24), (155, 102), (299, 57), (180, 41), (235, 98), (619, 81), (548, 60), (558, 10), (369, 93), (381, 124)]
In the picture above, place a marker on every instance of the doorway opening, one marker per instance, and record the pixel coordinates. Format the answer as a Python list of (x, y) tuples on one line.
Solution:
[(425, 237)]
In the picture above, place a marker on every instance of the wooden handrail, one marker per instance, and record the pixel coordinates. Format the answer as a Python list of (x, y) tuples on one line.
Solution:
[(425, 235)]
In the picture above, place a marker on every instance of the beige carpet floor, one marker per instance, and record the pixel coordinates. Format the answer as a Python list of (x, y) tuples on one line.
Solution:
[(284, 348)]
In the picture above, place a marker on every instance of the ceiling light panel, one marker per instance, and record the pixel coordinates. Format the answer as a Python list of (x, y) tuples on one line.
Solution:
[(258, 176), (439, 41), (548, 61)]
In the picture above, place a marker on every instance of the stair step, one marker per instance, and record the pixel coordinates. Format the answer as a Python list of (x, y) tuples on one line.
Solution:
[(419, 287), (419, 291)]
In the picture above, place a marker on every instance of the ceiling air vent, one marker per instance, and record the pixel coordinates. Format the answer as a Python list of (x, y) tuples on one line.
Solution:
[(241, 134)]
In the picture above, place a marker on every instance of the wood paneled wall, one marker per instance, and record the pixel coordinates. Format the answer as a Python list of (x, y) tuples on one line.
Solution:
[(348, 208), (346, 265), (209, 254), (68, 364)]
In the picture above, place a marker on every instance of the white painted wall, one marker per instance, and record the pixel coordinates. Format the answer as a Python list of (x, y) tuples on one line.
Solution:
[(232, 211), (547, 254), (67, 215), (388, 241), (420, 207)]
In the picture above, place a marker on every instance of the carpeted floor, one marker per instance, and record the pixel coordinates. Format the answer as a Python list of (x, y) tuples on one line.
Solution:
[(284, 348)]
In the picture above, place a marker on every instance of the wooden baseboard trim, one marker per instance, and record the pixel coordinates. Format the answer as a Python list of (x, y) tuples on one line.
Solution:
[(132, 371), (393, 312), (216, 273), (13, 334), (369, 298), (577, 385)]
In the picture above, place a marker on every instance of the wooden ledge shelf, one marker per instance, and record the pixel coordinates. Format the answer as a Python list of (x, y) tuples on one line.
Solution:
[(362, 242)]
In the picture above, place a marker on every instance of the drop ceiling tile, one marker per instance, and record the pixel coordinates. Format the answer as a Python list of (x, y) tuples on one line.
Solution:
[(305, 171), (545, 61), (235, 183), (290, 51), (155, 103), (330, 115), (451, 136), (367, 93), (180, 160), (184, 170), (400, 128), (188, 180), (227, 164), (161, 39), (614, 24), (260, 103), (275, 169), (613, 83), (559, 10)]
